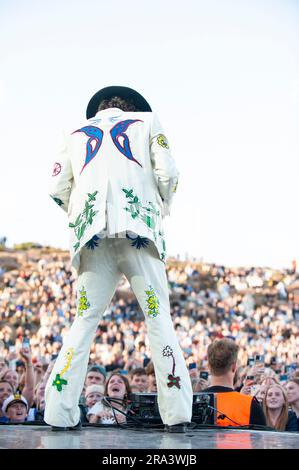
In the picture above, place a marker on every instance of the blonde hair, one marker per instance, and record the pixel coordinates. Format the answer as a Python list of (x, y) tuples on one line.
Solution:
[(282, 420)]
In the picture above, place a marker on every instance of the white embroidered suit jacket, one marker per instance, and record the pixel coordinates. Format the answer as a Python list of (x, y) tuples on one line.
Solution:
[(115, 175)]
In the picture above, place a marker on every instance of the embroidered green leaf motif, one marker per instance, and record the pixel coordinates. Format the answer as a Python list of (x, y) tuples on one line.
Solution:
[(148, 214), (148, 220), (77, 223), (58, 382), (87, 209), (80, 224), (78, 220), (91, 216), (81, 231), (92, 196), (129, 193)]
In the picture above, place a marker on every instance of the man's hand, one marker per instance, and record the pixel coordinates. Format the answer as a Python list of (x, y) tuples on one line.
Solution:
[(203, 383)]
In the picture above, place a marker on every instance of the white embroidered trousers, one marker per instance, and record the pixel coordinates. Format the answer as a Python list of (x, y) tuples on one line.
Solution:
[(99, 274)]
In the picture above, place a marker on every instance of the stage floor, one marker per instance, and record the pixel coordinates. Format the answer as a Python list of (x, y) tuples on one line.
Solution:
[(41, 437)]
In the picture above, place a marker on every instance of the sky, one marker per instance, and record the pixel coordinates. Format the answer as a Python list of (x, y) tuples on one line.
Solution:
[(223, 77)]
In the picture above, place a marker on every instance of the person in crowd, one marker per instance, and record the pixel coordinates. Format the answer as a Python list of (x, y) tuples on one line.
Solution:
[(3, 364), (93, 394), (117, 390), (276, 409), (20, 369), (6, 389), (256, 385), (259, 393), (96, 375), (38, 300), (239, 378), (151, 378), (292, 388), (12, 376), (200, 381), (193, 371), (36, 412), (233, 408), (39, 372), (139, 379), (15, 409)]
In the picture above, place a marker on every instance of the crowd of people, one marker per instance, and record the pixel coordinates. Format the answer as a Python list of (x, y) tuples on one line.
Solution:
[(256, 308)]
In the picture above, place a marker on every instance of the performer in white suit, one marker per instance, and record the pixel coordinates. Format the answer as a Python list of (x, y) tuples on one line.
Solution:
[(115, 177)]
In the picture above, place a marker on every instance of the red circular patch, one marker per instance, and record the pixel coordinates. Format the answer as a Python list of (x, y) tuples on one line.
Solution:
[(56, 169)]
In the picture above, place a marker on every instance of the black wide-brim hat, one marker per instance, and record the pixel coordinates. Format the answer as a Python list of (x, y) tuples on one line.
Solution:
[(121, 91)]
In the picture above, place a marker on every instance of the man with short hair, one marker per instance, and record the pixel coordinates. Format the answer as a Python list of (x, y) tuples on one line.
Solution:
[(96, 375), (233, 408), (116, 178), (139, 379)]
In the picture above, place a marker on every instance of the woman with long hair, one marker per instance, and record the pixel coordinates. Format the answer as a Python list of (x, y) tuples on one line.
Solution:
[(117, 389), (36, 412), (276, 409)]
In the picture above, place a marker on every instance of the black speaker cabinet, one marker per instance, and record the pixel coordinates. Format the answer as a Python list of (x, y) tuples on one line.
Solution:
[(144, 407)]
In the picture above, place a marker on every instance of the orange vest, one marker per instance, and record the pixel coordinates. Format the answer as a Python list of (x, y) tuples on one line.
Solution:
[(234, 405)]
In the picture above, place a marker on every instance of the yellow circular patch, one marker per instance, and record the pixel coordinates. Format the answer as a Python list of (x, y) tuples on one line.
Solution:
[(161, 139)]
